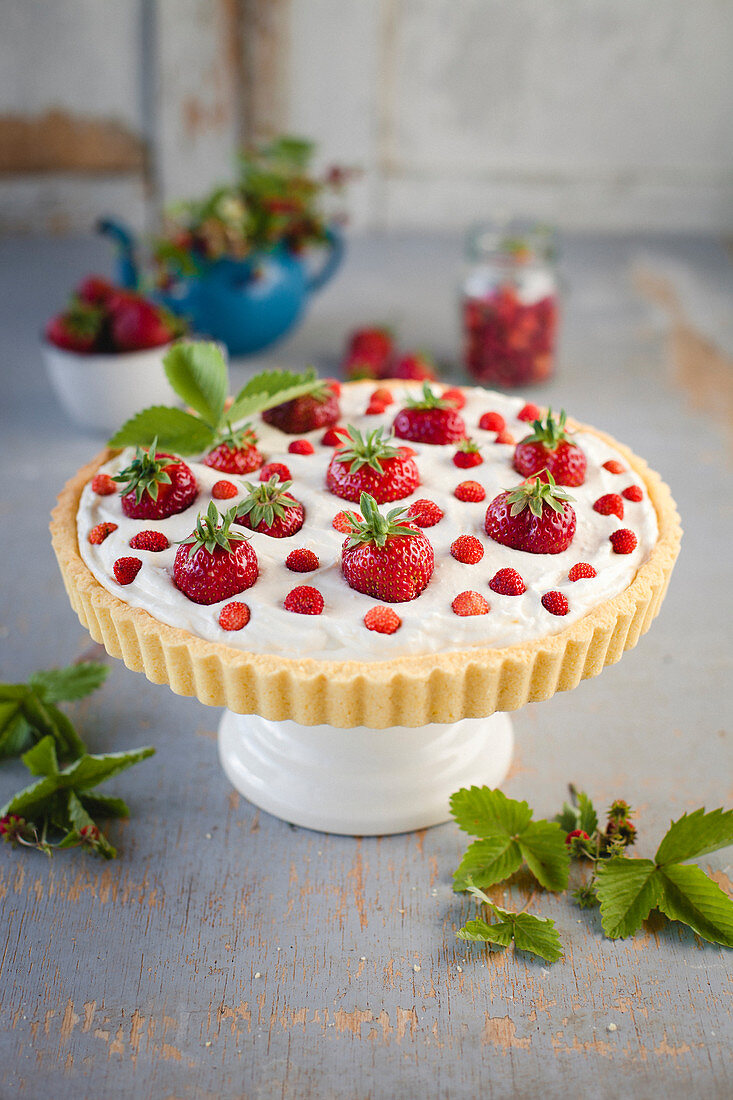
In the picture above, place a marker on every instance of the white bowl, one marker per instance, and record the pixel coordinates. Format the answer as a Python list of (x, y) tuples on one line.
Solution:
[(101, 392)]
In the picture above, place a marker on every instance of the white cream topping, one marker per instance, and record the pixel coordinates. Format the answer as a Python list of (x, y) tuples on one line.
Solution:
[(428, 623)]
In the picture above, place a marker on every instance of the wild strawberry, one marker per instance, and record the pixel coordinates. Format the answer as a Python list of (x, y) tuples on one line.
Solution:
[(156, 485), (492, 422), (103, 485), (384, 395), (555, 603), (467, 550), (136, 323), (269, 509), (235, 453), (95, 290), (385, 557), (470, 603), (371, 346), (155, 541), (614, 466), (302, 561), (623, 541), (333, 436), (429, 419), (467, 455), (425, 513), (375, 408), (576, 834), (126, 569), (382, 619), (98, 534), (77, 329), (582, 571), (407, 452), (470, 491), (234, 616), (334, 386), (504, 437), (415, 366), (304, 600), (301, 447), (371, 464), (214, 562), (529, 413), (275, 469), (633, 492), (507, 582), (610, 505), (342, 521), (537, 518), (549, 448), (224, 490), (319, 408), (456, 397)]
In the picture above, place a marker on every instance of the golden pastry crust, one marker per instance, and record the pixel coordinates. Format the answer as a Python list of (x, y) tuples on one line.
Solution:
[(404, 691)]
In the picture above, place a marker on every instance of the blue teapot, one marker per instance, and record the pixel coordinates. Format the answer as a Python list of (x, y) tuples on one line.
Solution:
[(246, 304)]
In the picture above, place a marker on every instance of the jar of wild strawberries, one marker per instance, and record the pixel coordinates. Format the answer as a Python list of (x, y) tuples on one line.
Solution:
[(509, 304)]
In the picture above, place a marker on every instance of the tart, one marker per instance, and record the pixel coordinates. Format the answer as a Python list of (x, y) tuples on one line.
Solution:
[(333, 657)]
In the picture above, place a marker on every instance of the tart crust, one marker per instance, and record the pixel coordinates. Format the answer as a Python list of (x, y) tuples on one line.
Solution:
[(404, 691)]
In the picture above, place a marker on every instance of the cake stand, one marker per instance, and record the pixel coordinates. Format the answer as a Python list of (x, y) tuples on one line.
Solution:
[(366, 748)]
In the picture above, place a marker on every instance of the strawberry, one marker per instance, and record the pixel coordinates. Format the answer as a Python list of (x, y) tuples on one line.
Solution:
[(507, 582), (504, 437), (467, 455), (385, 557), (304, 600), (492, 422), (425, 513), (613, 466), (156, 485), (455, 397), (429, 419), (470, 491), (535, 517), (317, 409), (126, 569), (382, 619), (548, 447), (576, 834), (234, 616), (235, 452), (623, 541), (373, 345), (375, 408), (467, 550), (370, 464), (470, 603), (136, 323), (214, 562), (95, 290), (301, 447), (103, 485), (358, 369), (609, 505), (302, 561), (77, 329), (275, 469), (408, 452), (98, 534), (269, 509), (224, 490), (154, 541), (555, 603), (415, 366), (341, 521), (384, 396), (529, 413), (582, 571), (332, 436), (633, 492)]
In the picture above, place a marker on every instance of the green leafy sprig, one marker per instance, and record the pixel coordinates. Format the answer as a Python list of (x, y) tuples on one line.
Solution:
[(527, 932), (28, 712)]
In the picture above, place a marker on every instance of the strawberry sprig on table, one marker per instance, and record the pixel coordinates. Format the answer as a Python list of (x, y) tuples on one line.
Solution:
[(627, 889), (61, 808)]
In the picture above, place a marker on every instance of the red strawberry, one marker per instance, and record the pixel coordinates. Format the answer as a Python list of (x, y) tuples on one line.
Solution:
[(549, 448), (613, 466), (317, 409), (623, 541), (576, 834), (136, 323), (385, 557), (610, 505), (234, 616), (470, 491), (235, 453), (103, 485), (455, 397), (332, 436), (529, 413), (156, 485), (467, 455), (302, 561), (269, 509), (275, 469), (149, 540), (467, 550), (633, 492), (98, 534), (582, 571), (492, 422), (384, 396), (382, 619), (214, 562), (95, 290), (357, 369), (77, 329), (425, 513), (224, 490), (536, 518), (375, 408), (470, 603), (301, 447), (304, 600), (126, 569), (429, 419), (341, 522), (371, 349), (408, 452), (415, 366), (507, 582), (504, 437), (371, 465), (555, 603)]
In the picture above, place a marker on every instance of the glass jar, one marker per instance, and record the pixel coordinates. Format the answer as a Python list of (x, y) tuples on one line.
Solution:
[(509, 304)]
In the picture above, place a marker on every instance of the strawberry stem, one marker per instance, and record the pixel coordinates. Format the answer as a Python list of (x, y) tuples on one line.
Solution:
[(375, 527), (538, 493)]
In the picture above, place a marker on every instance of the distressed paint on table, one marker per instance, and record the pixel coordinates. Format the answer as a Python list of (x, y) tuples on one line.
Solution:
[(227, 954)]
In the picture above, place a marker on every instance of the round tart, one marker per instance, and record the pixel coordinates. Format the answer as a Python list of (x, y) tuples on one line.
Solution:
[(494, 626)]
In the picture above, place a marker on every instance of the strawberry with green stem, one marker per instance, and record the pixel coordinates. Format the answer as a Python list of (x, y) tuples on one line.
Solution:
[(549, 448), (156, 485), (214, 563), (317, 407), (385, 556), (371, 464), (536, 517), (429, 419), (77, 328), (270, 509), (235, 452)]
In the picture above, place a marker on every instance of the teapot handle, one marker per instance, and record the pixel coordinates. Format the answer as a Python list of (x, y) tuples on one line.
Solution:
[(336, 247), (128, 275)]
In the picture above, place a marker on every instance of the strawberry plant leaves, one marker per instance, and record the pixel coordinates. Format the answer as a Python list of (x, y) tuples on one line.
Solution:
[(688, 895), (488, 861), (480, 931), (63, 685), (104, 805), (92, 769), (536, 935), (482, 811), (587, 816), (198, 373), (628, 890), (543, 849), (176, 431), (267, 389), (15, 731), (694, 835), (42, 759)]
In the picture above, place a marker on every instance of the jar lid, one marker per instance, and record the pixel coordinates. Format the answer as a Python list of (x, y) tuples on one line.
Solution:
[(512, 240)]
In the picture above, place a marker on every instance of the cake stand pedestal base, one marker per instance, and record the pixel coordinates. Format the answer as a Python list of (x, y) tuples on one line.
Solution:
[(361, 782)]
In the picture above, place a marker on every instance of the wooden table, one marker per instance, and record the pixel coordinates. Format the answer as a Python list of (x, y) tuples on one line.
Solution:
[(228, 954)]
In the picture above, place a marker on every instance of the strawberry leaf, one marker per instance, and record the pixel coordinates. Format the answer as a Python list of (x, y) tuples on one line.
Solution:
[(688, 895), (481, 811), (198, 373), (536, 935), (270, 388), (628, 890), (694, 835), (487, 861), (543, 849), (177, 431), (56, 685)]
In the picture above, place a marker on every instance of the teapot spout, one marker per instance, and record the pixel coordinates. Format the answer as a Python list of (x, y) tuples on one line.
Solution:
[(128, 274)]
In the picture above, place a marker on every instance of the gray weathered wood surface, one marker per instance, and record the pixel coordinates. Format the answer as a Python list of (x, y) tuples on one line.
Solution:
[(227, 954)]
